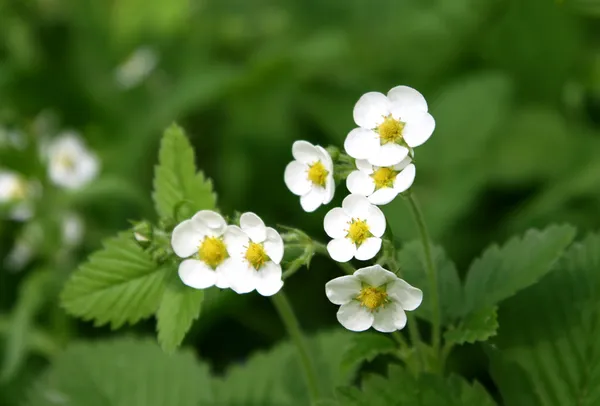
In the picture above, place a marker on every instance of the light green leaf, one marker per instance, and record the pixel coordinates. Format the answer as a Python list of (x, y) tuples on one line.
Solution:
[(122, 372), (412, 269), (118, 284), (401, 388), (179, 307), (176, 181), (365, 347), (503, 271), (550, 332), (477, 326)]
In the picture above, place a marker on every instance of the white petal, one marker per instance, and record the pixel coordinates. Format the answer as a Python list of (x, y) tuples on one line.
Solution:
[(313, 199), (186, 238), (196, 274), (360, 183), (237, 241), (364, 165), (336, 223), (371, 109), (368, 249), (406, 295), (268, 279), (342, 290), (376, 221), (383, 196), (241, 276), (296, 178), (403, 164), (356, 206), (89, 167), (223, 274), (355, 317), (305, 152), (418, 129), (389, 319), (329, 189), (388, 155), (375, 275), (406, 98), (341, 249), (361, 143), (274, 245), (253, 225), (212, 220), (325, 158), (405, 179)]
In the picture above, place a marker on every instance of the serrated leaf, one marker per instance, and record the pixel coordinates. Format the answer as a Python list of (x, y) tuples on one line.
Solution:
[(412, 268), (401, 388), (477, 326), (118, 284), (365, 347), (176, 181), (122, 372), (503, 271), (179, 307), (550, 331)]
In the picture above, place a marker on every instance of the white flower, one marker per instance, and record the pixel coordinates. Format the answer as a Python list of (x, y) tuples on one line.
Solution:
[(16, 192), (389, 125), (356, 229), (73, 229), (373, 297), (381, 185), (201, 240), (71, 165), (258, 251), (310, 175), (136, 68)]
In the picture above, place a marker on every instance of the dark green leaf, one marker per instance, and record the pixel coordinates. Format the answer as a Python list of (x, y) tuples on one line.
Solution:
[(477, 326)]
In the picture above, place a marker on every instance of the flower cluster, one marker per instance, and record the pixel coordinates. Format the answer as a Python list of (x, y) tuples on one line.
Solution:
[(244, 258)]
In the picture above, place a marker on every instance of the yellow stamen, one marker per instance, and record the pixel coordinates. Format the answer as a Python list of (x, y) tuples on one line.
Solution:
[(18, 191), (372, 298), (256, 255), (317, 174), (359, 231), (390, 130), (212, 251), (384, 177), (66, 161)]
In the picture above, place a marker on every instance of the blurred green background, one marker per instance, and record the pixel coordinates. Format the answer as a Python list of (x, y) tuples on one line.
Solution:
[(514, 86)]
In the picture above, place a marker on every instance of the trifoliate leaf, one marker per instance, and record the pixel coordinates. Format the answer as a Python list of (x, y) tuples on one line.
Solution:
[(365, 347), (177, 184), (401, 388), (118, 284), (179, 307), (122, 372), (549, 333), (503, 271), (477, 326), (412, 268)]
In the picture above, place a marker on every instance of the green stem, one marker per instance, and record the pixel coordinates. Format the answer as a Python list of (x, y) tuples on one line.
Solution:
[(431, 274), (284, 308)]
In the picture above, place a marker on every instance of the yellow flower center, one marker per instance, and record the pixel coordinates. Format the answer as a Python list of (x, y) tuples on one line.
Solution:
[(358, 231), (212, 251), (317, 173), (256, 255), (372, 298), (66, 161), (18, 191), (384, 177), (390, 130)]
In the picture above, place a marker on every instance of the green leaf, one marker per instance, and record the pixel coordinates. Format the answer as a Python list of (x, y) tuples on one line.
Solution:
[(412, 268), (179, 307), (176, 182), (503, 271), (401, 388), (550, 332), (122, 372), (477, 326), (118, 284), (365, 347)]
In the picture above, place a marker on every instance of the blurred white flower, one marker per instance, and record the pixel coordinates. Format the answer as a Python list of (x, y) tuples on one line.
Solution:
[(138, 66), (71, 164), (16, 192), (381, 185), (389, 126), (310, 175), (73, 229), (373, 297), (12, 139), (258, 251), (356, 229), (201, 241), (19, 256)]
